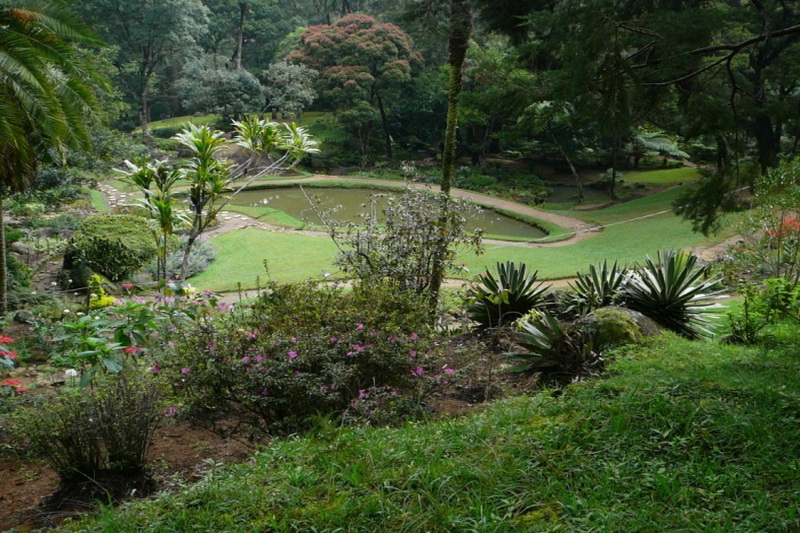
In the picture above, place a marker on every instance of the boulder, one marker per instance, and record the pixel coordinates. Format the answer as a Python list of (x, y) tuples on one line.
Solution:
[(615, 326)]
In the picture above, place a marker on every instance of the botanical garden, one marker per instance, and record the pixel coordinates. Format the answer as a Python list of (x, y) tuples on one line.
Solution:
[(428, 265)]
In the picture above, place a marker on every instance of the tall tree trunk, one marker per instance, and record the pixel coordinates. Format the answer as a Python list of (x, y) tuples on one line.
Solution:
[(568, 160), (385, 122), (613, 187), (723, 156), (461, 27), (237, 55), (188, 250), (3, 265), (144, 113), (767, 141)]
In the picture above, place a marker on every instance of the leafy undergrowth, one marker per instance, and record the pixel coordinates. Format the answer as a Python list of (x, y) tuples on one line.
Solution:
[(683, 436)]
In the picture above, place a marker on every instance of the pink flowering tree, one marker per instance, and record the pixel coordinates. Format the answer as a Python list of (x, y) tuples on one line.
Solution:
[(362, 63)]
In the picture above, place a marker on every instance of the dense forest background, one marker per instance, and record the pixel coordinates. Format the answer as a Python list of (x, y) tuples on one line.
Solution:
[(599, 83)]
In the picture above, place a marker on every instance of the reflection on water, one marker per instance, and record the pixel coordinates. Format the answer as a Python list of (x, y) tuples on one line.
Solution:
[(569, 193), (291, 201)]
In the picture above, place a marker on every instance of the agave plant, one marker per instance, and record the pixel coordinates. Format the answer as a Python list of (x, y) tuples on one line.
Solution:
[(554, 350), (674, 292), (596, 288), (503, 299)]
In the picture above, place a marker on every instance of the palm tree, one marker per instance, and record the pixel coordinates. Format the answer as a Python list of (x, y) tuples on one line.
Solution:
[(45, 95)]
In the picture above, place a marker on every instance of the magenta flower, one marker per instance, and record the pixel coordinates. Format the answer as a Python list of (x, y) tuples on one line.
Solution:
[(414, 336), (449, 371), (259, 359), (185, 370), (417, 372), (293, 340), (362, 394), (245, 359), (333, 340), (412, 353), (155, 369), (359, 326), (292, 355), (252, 335)]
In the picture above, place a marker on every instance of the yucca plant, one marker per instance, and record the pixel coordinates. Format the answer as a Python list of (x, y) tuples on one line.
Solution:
[(553, 350), (596, 288), (674, 292), (503, 299)]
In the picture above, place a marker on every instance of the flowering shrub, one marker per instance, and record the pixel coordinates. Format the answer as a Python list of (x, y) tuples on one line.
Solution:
[(12, 387), (7, 356), (382, 406), (788, 227), (300, 351)]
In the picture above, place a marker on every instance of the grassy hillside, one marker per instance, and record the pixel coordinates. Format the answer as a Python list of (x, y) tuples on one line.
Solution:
[(682, 436), (294, 257)]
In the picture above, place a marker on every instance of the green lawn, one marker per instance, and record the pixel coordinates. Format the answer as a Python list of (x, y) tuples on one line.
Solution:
[(241, 255), (176, 122), (98, 200), (292, 257), (670, 176), (268, 215), (680, 436), (625, 243)]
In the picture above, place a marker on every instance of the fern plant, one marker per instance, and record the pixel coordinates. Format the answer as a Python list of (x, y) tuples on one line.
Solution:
[(596, 288), (500, 300), (674, 292)]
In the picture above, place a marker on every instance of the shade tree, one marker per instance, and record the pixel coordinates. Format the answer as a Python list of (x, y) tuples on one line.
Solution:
[(150, 36), (208, 85), (362, 64), (289, 87)]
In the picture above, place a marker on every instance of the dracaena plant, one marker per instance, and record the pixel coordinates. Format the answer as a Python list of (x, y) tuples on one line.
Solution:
[(597, 288), (559, 352), (501, 299), (675, 292)]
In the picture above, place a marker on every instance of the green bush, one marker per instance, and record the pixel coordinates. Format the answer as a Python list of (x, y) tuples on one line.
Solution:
[(763, 304), (473, 179), (112, 245), (201, 255), (301, 351), (674, 292), (90, 434)]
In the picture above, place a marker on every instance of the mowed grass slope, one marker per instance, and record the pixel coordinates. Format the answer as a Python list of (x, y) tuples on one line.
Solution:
[(631, 234), (683, 436), (241, 256)]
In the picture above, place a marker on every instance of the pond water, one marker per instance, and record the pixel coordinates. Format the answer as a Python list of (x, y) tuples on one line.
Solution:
[(569, 193), (291, 201)]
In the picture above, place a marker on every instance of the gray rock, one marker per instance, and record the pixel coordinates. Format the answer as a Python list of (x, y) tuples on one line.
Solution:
[(23, 317)]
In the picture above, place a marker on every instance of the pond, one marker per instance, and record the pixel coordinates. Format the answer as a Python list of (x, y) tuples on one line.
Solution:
[(291, 201), (569, 193)]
